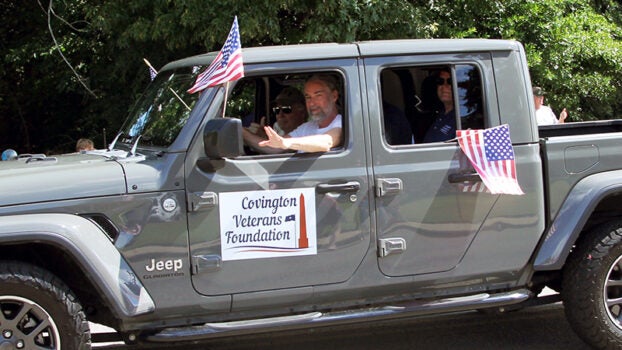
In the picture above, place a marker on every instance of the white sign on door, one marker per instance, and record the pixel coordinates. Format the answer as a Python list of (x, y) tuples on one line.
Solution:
[(267, 224)]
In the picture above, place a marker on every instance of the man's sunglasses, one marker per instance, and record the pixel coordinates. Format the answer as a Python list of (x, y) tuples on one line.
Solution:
[(441, 81), (284, 109)]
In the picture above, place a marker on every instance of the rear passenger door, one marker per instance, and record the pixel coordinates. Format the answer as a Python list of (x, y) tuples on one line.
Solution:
[(427, 216)]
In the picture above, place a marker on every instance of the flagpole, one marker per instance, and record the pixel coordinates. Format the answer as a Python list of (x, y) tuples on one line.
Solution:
[(226, 95), (149, 64), (174, 93), (180, 100), (227, 66)]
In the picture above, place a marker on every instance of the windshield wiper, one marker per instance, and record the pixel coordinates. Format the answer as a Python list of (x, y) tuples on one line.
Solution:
[(132, 151), (114, 142)]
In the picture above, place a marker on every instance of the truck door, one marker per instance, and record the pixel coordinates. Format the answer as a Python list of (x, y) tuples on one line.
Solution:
[(426, 219), (278, 222)]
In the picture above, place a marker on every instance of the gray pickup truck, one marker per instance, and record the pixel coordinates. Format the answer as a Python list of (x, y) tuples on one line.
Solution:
[(180, 232)]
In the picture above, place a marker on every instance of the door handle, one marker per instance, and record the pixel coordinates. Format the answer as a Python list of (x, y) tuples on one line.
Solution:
[(469, 177), (388, 186), (350, 186)]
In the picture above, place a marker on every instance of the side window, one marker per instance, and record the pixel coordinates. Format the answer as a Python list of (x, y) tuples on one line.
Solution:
[(280, 101), (419, 106), (470, 97)]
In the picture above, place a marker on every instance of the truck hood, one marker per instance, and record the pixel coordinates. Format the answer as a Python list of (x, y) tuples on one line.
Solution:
[(62, 177)]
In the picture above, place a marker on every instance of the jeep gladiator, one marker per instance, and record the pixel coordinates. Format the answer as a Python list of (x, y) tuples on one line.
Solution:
[(178, 232)]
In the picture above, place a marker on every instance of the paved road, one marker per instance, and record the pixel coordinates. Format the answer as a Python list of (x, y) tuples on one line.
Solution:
[(538, 328)]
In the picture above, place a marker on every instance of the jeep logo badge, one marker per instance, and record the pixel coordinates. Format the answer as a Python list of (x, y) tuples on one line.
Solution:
[(164, 268), (164, 265)]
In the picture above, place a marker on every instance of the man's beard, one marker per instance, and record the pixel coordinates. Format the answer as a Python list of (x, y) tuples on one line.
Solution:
[(318, 116)]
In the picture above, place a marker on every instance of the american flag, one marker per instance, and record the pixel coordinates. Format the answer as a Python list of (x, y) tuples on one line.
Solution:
[(227, 65), (491, 154), (152, 73)]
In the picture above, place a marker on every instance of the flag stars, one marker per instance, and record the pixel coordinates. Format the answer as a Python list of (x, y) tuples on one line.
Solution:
[(497, 144)]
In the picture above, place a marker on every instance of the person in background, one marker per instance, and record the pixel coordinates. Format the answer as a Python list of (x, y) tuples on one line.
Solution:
[(84, 144), (319, 134), (544, 114)]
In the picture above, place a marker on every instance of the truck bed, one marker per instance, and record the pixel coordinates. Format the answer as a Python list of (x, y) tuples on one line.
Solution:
[(580, 128), (573, 151)]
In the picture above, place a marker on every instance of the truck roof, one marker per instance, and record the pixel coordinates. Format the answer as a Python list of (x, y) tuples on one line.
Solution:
[(356, 49)]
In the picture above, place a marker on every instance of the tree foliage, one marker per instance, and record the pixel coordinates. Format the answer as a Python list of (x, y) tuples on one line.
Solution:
[(73, 68)]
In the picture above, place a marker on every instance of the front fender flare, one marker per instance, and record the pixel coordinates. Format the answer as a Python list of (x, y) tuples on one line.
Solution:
[(92, 250), (572, 217)]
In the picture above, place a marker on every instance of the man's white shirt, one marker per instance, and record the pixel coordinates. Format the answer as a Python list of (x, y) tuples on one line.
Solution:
[(312, 128), (545, 116)]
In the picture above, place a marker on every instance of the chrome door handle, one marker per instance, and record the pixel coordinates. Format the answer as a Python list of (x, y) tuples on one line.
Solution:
[(350, 186)]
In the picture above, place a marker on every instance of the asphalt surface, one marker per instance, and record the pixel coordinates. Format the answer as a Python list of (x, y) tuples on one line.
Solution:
[(537, 328)]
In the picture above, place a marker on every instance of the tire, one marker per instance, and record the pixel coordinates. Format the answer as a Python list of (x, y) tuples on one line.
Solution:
[(39, 311), (592, 278)]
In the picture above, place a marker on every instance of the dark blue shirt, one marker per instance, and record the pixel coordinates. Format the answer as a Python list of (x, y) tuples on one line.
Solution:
[(443, 128)]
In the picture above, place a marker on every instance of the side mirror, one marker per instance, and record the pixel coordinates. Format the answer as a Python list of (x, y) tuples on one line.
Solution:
[(222, 138)]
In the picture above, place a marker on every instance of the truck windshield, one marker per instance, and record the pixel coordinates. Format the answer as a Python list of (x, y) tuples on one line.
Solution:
[(162, 111)]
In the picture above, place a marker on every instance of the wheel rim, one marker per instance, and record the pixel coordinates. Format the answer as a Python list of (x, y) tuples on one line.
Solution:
[(613, 293), (24, 324)]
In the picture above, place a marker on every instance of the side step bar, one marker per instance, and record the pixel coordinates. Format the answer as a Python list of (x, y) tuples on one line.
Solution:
[(319, 319)]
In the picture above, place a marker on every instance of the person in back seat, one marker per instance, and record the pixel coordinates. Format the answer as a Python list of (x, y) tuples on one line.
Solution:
[(443, 126), (427, 103), (397, 129)]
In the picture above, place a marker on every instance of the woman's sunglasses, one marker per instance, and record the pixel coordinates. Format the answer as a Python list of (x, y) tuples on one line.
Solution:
[(284, 109), (441, 81)]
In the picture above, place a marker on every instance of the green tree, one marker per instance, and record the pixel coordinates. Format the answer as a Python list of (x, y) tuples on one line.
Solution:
[(48, 100), (574, 48), (574, 52)]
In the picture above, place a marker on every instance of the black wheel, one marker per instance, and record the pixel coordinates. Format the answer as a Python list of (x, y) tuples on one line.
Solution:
[(592, 287), (38, 311)]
